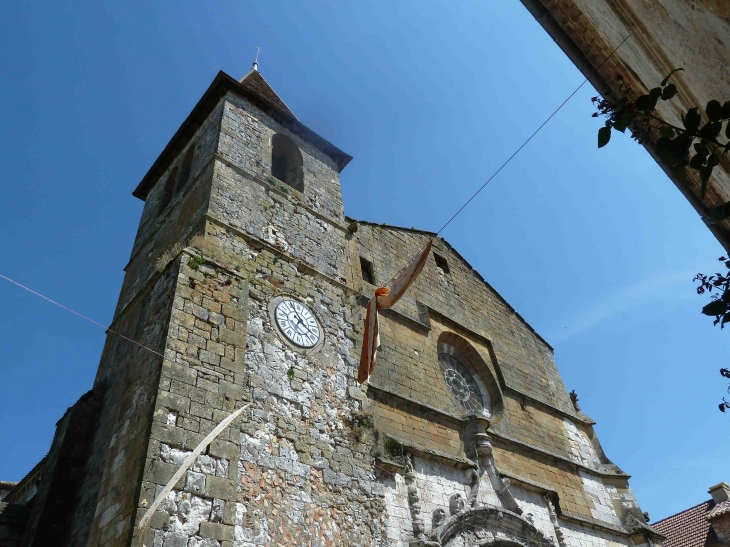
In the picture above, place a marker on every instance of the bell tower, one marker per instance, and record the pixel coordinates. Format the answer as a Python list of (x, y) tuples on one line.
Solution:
[(242, 205)]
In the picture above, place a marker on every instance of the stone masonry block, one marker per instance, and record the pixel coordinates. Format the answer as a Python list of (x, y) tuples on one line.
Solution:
[(217, 487), (231, 337), (223, 449), (221, 532), (172, 401), (230, 390), (160, 473), (167, 433)]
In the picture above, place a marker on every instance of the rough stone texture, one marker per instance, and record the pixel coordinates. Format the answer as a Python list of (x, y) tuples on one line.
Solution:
[(315, 459), (665, 34)]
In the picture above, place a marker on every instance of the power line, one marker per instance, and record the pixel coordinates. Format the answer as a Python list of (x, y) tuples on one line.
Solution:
[(524, 143), (528, 140), (81, 315), (475, 194)]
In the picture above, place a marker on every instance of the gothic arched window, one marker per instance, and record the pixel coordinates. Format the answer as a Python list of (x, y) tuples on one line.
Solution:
[(468, 379), (287, 164), (462, 384)]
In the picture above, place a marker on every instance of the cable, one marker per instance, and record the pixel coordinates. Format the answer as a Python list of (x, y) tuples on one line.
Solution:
[(528, 139), (525, 143), (82, 316)]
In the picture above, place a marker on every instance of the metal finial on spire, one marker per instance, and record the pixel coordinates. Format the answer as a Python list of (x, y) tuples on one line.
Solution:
[(256, 62)]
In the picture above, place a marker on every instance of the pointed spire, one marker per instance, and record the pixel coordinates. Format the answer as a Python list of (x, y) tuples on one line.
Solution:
[(255, 83)]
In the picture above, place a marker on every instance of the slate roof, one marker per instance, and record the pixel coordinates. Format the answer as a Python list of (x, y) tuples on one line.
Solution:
[(255, 83), (690, 528), (254, 89)]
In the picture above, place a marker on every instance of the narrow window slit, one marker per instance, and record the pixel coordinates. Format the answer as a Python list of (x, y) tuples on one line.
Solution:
[(441, 263), (366, 269)]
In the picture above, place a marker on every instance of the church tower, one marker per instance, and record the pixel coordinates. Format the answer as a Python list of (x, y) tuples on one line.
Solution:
[(247, 284)]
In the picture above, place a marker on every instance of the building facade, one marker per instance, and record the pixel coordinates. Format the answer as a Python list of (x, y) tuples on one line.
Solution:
[(247, 284)]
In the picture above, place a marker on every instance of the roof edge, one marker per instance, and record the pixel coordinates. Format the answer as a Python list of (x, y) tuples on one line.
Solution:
[(474, 270), (222, 84), (679, 512)]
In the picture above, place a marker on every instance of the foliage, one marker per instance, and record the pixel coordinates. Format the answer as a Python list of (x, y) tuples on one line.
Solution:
[(195, 262), (719, 306), (696, 145), (290, 373), (673, 144), (359, 423), (394, 449)]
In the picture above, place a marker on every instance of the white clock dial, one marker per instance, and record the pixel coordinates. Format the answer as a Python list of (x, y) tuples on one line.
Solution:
[(297, 323)]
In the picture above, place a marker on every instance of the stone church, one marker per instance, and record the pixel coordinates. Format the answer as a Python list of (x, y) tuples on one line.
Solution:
[(248, 284)]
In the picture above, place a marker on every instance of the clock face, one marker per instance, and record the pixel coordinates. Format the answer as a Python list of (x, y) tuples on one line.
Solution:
[(297, 323)]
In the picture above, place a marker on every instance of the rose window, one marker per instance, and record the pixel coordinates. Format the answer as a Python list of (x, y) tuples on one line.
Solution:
[(462, 384)]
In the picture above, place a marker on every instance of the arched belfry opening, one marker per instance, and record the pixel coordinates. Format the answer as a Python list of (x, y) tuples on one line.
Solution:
[(168, 190), (287, 164), (187, 165)]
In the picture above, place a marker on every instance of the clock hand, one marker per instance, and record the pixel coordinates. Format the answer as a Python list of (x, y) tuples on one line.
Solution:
[(305, 325)]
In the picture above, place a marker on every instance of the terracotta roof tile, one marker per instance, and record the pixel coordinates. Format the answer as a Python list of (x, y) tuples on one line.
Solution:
[(689, 528)]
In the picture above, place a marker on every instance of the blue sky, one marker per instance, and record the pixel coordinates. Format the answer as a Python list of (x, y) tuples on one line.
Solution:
[(595, 249)]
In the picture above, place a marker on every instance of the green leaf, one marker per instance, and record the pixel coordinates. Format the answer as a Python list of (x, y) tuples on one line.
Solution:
[(697, 162), (655, 93), (604, 135), (645, 102), (669, 92), (725, 114), (713, 160), (714, 110), (665, 80), (710, 130), (721, 212), (716, 307), (621, 123), (692, 120), (701, 149), (666, 132)]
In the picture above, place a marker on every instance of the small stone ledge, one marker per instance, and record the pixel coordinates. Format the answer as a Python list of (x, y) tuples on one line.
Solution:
[(431, 454), (389, 465), (300, 264), (594, 523), (597, 472), (527, 483)]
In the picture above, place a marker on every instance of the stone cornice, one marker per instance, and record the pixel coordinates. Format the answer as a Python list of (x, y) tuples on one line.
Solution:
[(459, 420)]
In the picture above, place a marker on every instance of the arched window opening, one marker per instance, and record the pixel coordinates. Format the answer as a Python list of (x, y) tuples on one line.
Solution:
[(286, 162), (187, 165), (463, 384), (471, 384), (168, 190)]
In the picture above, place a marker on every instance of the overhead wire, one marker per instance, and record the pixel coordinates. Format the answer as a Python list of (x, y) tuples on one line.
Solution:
[(504, 164)]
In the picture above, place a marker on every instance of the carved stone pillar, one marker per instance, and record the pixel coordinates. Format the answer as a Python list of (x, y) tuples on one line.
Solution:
[(414, 501), (554, 519)]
